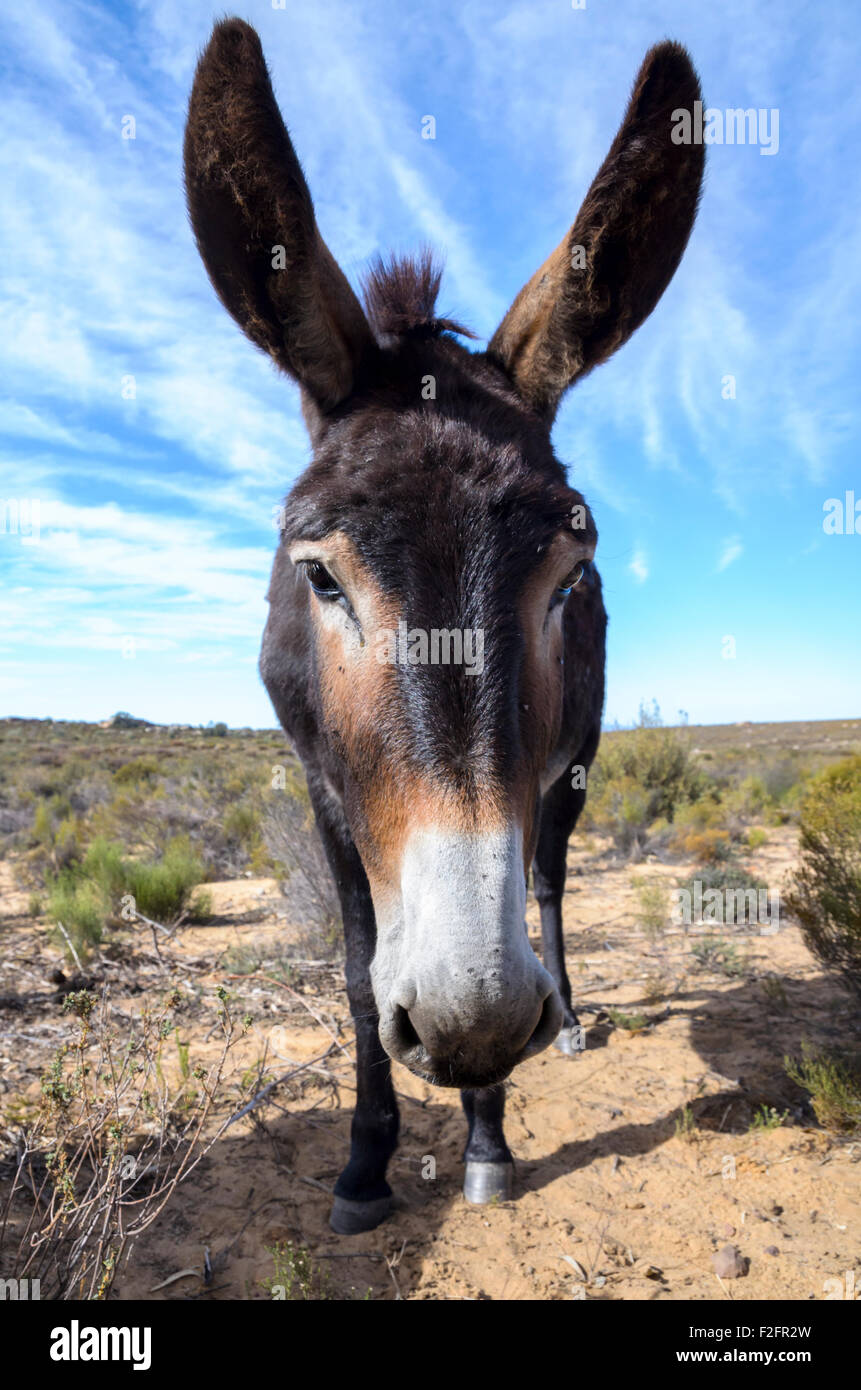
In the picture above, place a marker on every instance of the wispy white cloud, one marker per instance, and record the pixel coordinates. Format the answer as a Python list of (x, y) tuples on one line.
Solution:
[(160, 506), (732, 549), (639, 566)]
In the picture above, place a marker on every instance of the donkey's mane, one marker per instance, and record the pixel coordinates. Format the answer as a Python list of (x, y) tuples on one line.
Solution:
[(400, 298)]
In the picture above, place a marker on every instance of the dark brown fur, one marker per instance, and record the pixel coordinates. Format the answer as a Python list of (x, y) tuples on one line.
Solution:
[(447, 507)]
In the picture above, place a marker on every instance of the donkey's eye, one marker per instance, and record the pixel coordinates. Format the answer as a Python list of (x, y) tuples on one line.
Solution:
[(321, 581), (571, 582)]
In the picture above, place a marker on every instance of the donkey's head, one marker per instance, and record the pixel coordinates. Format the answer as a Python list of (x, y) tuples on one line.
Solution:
[(435, 567)]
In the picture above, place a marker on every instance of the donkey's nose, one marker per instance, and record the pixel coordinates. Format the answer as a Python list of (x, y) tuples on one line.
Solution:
[(470, 1052)]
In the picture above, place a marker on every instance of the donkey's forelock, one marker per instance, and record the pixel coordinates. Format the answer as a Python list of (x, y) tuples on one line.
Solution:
[(400, 298)]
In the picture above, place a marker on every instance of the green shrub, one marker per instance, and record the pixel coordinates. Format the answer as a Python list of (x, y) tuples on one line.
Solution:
[(90, 893), (825, 895), (631, 1023), (43, 825), (833, 1082), (701, 831), (767, 1117), (728, 877), (79, 904), (138, 770), (163, 890), (67, 842), (749, 799), (652, 905), (103, 864), (641, 776), (242, 823), (719, 957)]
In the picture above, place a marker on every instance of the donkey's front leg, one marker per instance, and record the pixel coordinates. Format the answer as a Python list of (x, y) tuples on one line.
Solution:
[(489, 1165), (363, 1198)]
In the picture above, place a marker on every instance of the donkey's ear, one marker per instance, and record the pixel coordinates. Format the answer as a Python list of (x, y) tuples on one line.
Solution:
[(255, 227), (611, 269)]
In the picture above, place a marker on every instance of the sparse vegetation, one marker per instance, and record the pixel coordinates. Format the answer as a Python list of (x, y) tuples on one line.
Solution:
[(728, 893), (826, 893), (766, 1117), (121, 1123), (774, 992), (631, 1023), (719, 958), (105, 886), (295, 1277), (294, 844), (833, 1082), (640, 777), (686, 1125), (85, 810), (656, 987), (652, 905)]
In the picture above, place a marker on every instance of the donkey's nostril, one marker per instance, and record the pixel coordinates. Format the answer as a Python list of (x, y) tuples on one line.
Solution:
[(547, 1027), (405, 1034)]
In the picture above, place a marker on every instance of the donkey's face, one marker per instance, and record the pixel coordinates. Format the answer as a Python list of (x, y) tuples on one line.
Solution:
[(434, 573), (434, 565)]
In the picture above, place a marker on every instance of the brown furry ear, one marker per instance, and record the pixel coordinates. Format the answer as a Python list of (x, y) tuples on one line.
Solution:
[(255, 227), (611, 269)]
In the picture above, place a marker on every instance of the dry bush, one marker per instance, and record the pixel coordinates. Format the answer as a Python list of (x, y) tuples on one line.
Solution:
[(293, 841), (122, 1123)]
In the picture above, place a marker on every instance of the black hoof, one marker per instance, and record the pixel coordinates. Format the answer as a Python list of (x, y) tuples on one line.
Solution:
[(350, 1218), (484, 1182)]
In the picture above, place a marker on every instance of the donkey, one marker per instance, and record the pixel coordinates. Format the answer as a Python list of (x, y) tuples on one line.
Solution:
[(435, 504)]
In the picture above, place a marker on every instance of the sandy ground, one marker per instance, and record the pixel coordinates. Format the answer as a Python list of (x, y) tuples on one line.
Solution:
[(611, 1202)]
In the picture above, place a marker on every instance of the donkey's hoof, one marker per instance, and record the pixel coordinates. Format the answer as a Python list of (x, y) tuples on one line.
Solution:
[(351, 1218), (485, 1181), (571, 1041)]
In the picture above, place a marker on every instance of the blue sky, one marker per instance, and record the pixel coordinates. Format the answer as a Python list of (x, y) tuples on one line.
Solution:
[(146, 588)]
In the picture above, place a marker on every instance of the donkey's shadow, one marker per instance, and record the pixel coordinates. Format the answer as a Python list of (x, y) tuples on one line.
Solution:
[(743, 1037)]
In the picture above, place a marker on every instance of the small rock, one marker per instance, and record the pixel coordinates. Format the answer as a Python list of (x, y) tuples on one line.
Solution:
[(775, 1209), (729, 1230), (729, 1263), (772, 1250), (652, 1272)]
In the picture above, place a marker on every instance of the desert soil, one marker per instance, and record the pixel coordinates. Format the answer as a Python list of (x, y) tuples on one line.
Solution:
[(611, 1200)]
